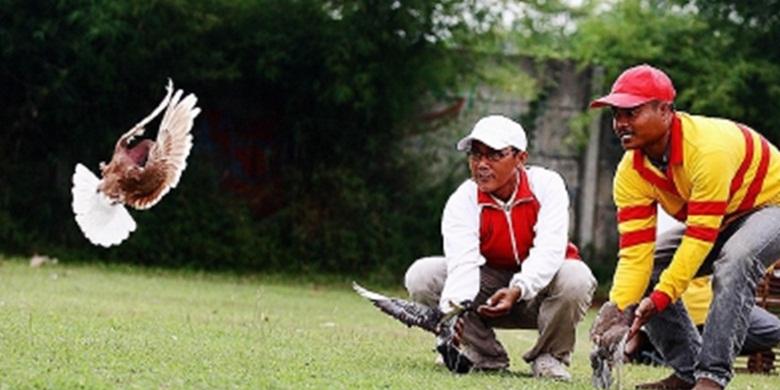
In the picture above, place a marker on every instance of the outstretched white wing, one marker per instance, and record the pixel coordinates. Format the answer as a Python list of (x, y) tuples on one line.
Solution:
[(174, 140), (102, 222)]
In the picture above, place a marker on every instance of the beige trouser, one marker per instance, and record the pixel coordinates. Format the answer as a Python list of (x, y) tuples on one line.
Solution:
[(555, 311)]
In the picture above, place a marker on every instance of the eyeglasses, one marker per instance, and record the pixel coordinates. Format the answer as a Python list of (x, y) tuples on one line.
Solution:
[(493, 155)]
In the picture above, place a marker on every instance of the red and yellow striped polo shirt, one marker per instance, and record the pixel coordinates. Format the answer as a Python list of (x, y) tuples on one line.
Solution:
[(717, 169)]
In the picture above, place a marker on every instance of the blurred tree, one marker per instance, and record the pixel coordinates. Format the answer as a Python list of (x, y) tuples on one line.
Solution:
[(717, 53), (721, 55), (342, 79), (750, 31)]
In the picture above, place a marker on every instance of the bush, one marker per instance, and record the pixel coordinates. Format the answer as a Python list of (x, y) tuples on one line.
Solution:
[(340, 79)]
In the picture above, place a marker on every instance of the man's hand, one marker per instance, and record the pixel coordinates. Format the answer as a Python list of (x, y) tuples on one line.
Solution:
[(500, 303), (643, 313)]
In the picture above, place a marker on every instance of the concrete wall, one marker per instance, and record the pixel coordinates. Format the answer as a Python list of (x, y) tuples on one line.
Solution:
[(563, 92)]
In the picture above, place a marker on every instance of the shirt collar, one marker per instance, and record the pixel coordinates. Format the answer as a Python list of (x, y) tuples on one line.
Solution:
[(676, 142), (521, 193)]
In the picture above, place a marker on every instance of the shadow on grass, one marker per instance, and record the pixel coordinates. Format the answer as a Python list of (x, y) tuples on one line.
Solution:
[(416, 365)]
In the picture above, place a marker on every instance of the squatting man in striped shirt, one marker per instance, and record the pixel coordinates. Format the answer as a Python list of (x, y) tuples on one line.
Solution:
[(506, 247), (722, 179)]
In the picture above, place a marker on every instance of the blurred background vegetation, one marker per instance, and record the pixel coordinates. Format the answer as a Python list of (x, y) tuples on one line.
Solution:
[(332, 89)]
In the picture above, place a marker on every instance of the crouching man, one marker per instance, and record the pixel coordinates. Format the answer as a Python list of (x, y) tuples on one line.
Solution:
[(506, 248)]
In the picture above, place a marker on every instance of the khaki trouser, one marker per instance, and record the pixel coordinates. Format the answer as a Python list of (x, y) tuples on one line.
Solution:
[(555, 311)]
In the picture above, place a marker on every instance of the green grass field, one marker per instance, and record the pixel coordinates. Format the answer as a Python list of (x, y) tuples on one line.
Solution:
[(75, 326)]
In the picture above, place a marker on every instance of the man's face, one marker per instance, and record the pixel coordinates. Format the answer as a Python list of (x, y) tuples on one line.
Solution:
[(643, 126), (494, 170)]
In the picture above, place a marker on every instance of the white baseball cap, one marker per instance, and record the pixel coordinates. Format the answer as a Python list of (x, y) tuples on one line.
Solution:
[(497, 132)]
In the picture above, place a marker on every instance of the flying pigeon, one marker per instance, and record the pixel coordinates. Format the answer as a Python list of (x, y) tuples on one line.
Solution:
[(431, 319), (139, 174), (609, 334)]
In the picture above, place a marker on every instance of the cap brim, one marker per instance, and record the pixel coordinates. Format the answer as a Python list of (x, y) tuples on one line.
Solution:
[(622, 100), (465, 143)]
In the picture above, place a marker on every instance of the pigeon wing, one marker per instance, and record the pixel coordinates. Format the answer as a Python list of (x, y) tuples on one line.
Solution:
[(168, 156), (409, 313), (139, 128)]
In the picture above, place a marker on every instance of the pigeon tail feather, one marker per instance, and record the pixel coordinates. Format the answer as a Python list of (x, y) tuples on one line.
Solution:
[(101, 221), (409, 313)]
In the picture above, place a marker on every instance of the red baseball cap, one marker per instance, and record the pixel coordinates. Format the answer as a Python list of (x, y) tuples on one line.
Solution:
[(636, 86)]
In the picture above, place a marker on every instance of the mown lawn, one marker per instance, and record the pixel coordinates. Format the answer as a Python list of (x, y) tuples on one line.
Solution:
[(75, 326)]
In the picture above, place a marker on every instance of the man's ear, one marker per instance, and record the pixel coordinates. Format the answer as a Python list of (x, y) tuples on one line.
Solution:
[(668, 110), (521, 158)]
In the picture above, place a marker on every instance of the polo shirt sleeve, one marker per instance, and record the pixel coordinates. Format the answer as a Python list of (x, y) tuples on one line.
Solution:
[(636, 217)]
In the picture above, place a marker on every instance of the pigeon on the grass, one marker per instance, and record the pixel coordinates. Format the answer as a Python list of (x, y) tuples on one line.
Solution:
[(431, 319), (609, 334), (140, 173)]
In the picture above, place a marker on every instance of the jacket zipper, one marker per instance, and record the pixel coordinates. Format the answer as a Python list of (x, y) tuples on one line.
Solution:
[(507, 209)]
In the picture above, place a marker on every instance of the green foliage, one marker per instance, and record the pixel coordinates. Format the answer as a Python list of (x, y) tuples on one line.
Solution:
[(720, 54), (501, 75), (720, 65), (746, 84), (340, 78), (580, 131), (544, 28)]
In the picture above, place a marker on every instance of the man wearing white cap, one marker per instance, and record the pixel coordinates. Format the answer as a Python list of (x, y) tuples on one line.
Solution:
[(506, 249)]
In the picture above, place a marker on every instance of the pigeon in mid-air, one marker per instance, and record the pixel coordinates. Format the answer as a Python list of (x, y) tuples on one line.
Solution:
[(140, 172), (609, 334), (431, 319)]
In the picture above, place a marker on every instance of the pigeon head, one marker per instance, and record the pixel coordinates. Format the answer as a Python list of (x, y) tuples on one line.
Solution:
[(137, 153)]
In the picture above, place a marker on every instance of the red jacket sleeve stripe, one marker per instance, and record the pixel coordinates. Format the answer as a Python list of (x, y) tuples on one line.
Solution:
[(702, 233), (707, 208), (635, 212), (637, 237), (739, 177), (755, 187)]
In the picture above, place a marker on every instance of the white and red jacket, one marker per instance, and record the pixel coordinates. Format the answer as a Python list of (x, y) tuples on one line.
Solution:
[(527, 235)]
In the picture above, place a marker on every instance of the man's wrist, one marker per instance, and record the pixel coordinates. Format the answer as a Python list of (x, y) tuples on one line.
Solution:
[(660, 299), (516, 291)]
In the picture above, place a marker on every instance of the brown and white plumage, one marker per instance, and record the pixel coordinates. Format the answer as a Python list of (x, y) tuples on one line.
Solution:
[(609, 334), (139, 174)]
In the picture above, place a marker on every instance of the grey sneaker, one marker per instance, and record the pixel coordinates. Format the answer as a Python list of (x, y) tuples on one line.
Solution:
[(547, 366)]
